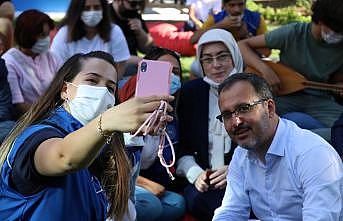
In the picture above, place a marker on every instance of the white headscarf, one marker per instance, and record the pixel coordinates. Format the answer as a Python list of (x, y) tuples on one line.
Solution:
[(220, 35)]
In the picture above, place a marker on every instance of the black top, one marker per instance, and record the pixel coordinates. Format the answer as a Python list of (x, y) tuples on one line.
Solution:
[(6, 107), (24, 178), (129, 34)]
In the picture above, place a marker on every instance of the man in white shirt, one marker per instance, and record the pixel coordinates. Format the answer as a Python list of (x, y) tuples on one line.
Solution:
[(279, 171)]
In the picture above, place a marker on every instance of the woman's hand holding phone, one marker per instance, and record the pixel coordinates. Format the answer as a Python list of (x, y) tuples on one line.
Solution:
[(128, 116)]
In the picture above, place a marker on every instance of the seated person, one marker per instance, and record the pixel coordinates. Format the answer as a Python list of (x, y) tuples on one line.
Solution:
[(204, 144), (87, 27), (314, 50), (153, 200), (127, 14), (279, 171), (6, 108), (66, 159), (31, 67), (199, 10), (237, 19)]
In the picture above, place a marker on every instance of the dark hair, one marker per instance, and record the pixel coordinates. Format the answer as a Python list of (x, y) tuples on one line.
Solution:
[(260, 85), (76, 29), (156, 52), (227, 1), (330, 12), (29, 26), (115, 172)]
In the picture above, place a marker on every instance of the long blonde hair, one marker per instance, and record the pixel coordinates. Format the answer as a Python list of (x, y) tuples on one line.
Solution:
[(115, 176)]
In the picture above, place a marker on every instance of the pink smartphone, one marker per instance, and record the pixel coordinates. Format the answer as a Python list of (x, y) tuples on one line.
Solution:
[(153, 78)]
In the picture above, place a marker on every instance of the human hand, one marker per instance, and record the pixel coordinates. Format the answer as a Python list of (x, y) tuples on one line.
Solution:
[(231, 22), (129, 115), (135, 24), (271, 77), (218, 178), (243, 32), (155, 188), (200, 183)]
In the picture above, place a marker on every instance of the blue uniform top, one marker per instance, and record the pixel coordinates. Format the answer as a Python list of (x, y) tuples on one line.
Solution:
[(76, 196)]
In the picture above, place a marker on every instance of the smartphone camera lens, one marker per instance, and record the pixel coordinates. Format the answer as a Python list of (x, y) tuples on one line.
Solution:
[(144, 67)]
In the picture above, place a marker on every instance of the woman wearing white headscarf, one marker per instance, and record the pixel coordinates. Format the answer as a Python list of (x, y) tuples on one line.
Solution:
[(204, 143)]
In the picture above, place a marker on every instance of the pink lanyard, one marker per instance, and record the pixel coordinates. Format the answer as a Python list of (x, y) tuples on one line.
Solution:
[(149, 125)]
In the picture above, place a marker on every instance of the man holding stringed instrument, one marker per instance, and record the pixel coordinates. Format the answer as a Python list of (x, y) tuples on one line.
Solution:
[(312, 57)]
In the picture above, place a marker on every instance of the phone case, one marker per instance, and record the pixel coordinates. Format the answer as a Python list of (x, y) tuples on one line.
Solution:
[(153, 78)]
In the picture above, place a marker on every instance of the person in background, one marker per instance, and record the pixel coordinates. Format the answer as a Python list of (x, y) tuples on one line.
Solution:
[(314, 50), (127, 14), (153, 198), (31, 67), (235, 18), (199, 11), (7, 9), (6, 107), (204, 145), (279, 171), (65, 159), (87, 27)]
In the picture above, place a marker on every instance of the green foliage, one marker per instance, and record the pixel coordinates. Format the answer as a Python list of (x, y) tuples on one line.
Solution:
[(280, 16)]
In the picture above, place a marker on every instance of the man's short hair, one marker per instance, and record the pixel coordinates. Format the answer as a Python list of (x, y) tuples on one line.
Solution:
[(329, 12), (260, 85)]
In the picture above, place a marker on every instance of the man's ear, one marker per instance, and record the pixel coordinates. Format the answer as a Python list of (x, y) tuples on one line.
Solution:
[(271, 108), (64, 90)]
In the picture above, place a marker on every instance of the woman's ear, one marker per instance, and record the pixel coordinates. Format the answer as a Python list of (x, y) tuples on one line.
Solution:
[(64, 92)]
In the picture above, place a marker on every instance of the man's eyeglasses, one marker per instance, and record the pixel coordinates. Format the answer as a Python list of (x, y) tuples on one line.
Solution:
[(221, 58), (240, 110)]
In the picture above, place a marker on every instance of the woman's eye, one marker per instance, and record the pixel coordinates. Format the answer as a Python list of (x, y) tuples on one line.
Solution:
[(110, 89), (93, 81)]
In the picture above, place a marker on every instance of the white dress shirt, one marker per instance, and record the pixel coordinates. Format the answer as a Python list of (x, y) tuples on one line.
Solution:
[(301, 180)]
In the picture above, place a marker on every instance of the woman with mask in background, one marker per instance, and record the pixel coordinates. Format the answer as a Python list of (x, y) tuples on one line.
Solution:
[(65, 159), (153, 198), (87, 27), (205, 148), (31, 66)]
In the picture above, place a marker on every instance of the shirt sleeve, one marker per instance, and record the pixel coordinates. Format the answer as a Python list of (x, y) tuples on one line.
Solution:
[(119, 49), (236, 204), (25, 178), (187, 167), (278, 38), (59, 45), (322, 184)]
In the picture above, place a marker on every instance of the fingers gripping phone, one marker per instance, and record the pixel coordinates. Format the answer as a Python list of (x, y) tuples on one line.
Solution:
[(153, 78)]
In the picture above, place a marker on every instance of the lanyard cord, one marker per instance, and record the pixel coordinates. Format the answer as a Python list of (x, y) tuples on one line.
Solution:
[(149, 125)]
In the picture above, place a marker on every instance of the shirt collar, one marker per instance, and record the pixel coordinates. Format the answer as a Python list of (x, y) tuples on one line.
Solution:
[(278, 144)]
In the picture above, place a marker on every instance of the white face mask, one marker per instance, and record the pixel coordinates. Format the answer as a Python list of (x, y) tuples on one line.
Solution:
[(90, 102), (331, 37), (91, 18), (214, 84), (41, 45)]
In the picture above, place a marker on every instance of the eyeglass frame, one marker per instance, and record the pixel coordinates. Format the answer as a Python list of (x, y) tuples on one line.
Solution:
[(238, 111), (224, 53)]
